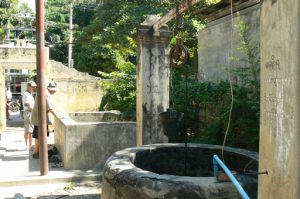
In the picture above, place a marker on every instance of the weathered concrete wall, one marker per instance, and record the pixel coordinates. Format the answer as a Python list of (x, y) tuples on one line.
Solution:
[(19, 57), (77, 91), (280, 96), (87, 145), (152, 81), (14, 58), (214, 44)]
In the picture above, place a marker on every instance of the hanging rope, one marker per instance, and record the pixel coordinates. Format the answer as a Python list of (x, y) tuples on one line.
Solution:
[(229, 79), (179, 56)]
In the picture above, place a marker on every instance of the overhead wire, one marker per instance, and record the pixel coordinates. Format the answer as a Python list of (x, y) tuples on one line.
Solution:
[(78, 6)]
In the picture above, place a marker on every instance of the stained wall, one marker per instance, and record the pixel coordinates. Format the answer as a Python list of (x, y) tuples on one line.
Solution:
[(280, 95)]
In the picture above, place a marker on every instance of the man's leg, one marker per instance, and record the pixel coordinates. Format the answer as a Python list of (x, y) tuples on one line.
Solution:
[(37, 146), (26, 138), (28, 132), (35, 154), (30, 140), (37, 143), (30, 135)]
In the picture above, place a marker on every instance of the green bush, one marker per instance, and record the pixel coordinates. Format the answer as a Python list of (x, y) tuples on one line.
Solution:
[(207, 112), (120, 90)]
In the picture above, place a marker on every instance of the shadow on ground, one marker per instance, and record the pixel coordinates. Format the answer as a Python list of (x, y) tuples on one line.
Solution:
[(15, 120), (85, 196)]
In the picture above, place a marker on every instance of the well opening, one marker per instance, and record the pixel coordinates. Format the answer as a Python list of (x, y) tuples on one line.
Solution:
[(197, 162)]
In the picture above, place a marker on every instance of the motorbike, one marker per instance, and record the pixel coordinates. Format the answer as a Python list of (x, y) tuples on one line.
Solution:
[(14, 105)]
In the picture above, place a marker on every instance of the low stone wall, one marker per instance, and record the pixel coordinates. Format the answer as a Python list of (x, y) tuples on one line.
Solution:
[(103, 116), (87, 145)]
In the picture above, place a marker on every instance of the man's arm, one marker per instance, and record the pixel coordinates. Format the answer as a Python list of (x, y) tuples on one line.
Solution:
[(54, 113), (29, 108), (26, 103)]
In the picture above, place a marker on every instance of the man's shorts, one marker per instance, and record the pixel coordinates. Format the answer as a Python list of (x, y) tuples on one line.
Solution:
[(35, 133), (28, 127)]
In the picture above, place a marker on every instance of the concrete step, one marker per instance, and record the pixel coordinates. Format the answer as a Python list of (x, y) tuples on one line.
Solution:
[(3, 147), (52, 177), (2, 152)]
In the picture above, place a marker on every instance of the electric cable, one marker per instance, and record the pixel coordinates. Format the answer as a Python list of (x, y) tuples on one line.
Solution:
[(229, 79)]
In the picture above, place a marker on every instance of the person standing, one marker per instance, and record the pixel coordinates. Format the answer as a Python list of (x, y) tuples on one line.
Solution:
[(28, 103), (51, 90), (8, 96), (7, 108)]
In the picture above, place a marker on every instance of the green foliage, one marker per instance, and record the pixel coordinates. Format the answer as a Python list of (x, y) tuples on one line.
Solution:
[(209, 2), (207, 112), (120, 88), (57, 24), (8, 10), (105, 30), (69, 186), (24, 10), (94, 56), (208, 103), (58, 16), (2, 34), (15, 14), (109, 39), (249, 73)]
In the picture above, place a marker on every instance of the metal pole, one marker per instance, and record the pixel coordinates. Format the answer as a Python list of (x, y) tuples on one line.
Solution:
[(70, 61), (41, 68)]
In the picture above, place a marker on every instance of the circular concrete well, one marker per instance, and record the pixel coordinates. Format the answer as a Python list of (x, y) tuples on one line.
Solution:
[(170, 171)]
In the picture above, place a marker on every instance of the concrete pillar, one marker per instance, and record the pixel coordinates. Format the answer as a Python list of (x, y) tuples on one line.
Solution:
[(280, 100), (152, 80), (7, 32)]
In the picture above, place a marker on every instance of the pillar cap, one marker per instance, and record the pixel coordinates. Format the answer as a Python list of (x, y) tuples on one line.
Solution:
[(146, 27), (150, 20)]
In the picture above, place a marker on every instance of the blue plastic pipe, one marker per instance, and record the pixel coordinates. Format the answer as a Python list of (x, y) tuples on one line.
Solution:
[(216, 161)]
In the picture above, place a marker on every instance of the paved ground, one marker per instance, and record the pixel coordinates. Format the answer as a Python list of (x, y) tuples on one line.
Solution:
[(20, 174)]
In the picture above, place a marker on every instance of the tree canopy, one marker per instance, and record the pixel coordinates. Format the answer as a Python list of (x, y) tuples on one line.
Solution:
[(109, 40), (57, 24), (105, 30), (14, 15)]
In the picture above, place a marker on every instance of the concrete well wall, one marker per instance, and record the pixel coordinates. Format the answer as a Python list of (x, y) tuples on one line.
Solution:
[(87, 145), (157, 171)]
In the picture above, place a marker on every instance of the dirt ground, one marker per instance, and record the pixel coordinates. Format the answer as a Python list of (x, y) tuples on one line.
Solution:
[(88, 190)]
